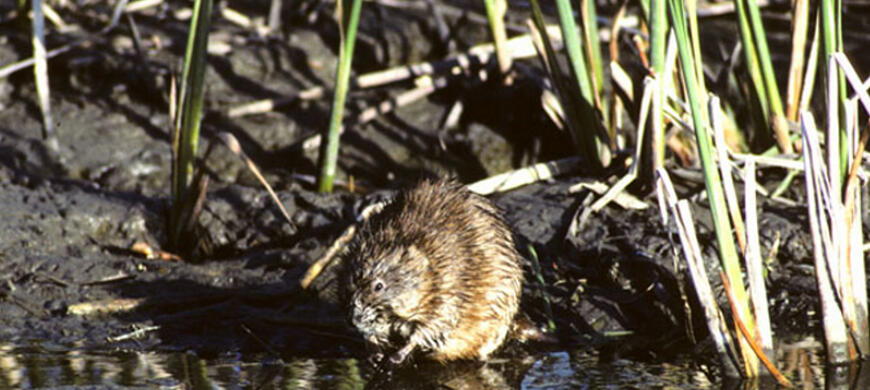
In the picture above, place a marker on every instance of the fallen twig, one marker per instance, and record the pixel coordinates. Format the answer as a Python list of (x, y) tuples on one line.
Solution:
[(448, 10), (138, 332), (624, 200), (267, 105), (53, 279), (318, 266), (260, 341), (105, 307), (519, 47), (120, 276), (144, 249), (14, 67), (524, 176), (427, 87)]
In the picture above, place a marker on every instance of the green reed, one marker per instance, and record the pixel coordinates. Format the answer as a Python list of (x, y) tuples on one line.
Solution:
[(348, 20)]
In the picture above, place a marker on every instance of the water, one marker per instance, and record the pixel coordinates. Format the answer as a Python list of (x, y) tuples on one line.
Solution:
[(48, 367)]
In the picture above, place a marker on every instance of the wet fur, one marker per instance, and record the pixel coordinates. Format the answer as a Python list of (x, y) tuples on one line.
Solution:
[(450, 277)]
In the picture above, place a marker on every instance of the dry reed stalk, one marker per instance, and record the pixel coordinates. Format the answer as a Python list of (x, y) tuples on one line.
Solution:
[(749, 337), (427, 87), (233, 145), (40, 72), (695, 263), (725, 170), (651, 90), (754, 265), (818, 187), (853, 270)]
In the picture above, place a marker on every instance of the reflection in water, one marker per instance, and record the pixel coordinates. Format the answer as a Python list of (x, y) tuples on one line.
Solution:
[(802, 364), (494, 375), (47, 365)]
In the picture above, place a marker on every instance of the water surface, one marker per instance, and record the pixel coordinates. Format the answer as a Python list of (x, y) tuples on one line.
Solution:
[(45, 365)]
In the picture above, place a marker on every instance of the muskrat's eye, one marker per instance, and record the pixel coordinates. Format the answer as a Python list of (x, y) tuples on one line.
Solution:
[(378, 286)]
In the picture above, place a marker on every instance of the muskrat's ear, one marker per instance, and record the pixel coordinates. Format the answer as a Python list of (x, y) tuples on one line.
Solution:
[(417, 256)]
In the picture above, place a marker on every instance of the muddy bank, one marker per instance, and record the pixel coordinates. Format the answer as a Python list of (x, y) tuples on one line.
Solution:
[(66, 243)]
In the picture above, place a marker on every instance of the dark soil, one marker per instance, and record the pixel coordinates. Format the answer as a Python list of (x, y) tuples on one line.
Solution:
[(70, 218)]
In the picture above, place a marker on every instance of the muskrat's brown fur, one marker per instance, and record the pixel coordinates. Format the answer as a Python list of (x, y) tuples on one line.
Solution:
[(436, 271)]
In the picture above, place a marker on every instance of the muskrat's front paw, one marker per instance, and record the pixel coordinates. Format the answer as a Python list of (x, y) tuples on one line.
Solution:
[(397, 358), (400, 355)]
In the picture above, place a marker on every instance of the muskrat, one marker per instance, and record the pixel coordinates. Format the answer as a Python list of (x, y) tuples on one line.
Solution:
[(436, 271)]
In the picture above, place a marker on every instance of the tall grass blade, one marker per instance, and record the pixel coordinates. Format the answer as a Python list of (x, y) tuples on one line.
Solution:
[(777, 122), (495, 13), (832, 42), (589, 26), (620, 80), (812, 66), (712, 181), (187, 122), (592, 51), (800, 21), (566, 92), (40, 72), (576, 94), (858, 86), (761, 111), (572, 47), (691, 13), (348, 20), (658, 44)]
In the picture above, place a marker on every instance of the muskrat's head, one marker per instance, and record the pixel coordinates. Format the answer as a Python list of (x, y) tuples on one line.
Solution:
[(387, 286)]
